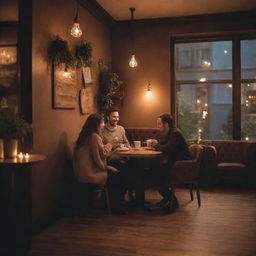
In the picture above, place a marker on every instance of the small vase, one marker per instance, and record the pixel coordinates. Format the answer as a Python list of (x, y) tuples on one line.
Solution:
[(10, 148)]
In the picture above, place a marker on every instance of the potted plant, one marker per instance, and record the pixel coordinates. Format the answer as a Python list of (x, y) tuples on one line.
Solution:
[(111, 89), (83, 54), (59, 53), (12, 128)]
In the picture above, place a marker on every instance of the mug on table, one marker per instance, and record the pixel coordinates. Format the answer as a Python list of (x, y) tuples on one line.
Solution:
[(137, 144)]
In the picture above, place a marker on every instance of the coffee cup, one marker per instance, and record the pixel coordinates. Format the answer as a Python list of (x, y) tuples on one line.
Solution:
[(149, 143), (137, 144)]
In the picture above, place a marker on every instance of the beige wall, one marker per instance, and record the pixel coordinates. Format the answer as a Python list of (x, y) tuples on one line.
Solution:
[(152, 49), (8, 10), (55, 130)]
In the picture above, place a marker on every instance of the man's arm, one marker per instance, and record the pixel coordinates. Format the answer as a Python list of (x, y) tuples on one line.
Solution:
[(171, 144)]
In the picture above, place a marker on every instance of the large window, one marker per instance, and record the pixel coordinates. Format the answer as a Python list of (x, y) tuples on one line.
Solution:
[(215, 88)]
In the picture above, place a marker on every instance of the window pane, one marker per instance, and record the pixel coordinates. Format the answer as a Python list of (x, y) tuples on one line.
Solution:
[(248, 108), (248, 59), (207, 107), (205, 60)]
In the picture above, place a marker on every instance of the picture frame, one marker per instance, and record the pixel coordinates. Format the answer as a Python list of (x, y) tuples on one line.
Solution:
[(64, 88), (9, 85), (86, 100), (87, 76)]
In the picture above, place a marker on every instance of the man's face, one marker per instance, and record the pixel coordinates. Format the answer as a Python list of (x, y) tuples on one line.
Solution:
[(160, 125), (113, 118)]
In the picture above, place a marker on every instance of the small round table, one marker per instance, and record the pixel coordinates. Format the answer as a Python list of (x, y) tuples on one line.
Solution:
[(138, 156), (15, 198)]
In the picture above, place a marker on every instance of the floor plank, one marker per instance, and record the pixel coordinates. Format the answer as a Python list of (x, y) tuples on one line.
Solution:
[(224, 225)]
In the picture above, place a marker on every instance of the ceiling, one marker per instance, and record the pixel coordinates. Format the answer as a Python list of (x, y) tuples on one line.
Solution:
[(147, 9)]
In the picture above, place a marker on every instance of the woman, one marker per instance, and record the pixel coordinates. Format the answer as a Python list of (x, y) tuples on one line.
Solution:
[(90, 166)]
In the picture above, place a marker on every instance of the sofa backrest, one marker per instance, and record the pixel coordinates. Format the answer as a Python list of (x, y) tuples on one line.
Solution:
[(229, 151), (141, 134)]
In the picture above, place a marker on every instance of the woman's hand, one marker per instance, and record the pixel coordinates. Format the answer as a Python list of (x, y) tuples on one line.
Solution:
[(112, 168)]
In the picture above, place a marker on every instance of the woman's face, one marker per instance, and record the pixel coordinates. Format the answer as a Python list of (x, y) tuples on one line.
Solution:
[(102, 124)]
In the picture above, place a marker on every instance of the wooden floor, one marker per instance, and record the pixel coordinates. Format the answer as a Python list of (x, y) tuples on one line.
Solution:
[(224, 225)]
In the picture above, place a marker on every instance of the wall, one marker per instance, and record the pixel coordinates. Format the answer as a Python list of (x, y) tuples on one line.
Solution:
[(152, 49), (55, 130)]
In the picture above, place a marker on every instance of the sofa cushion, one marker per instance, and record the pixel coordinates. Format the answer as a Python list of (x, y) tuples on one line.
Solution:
[(231, 166), (141, 134)]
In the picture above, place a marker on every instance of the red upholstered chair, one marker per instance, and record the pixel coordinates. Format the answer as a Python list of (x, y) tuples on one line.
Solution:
[(186, 172)]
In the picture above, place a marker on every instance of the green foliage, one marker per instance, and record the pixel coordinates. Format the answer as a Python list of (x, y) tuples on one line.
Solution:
[(227, 128), (110, 88), (249, 127), (12, 126), (59, 53), (84, 55), (188, 120)]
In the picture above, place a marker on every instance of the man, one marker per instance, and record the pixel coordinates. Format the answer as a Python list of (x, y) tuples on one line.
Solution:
[(113, 130), (174, 147)]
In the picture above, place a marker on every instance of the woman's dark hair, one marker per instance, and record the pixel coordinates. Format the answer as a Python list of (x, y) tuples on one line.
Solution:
[(167, 118), (90, 126)]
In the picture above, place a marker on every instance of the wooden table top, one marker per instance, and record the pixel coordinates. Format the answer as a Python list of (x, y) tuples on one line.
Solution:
[(143, 152), (33, 158)]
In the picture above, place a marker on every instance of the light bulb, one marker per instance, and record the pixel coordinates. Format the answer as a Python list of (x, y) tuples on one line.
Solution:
[(76, 30), (149, 93), (133, 63)]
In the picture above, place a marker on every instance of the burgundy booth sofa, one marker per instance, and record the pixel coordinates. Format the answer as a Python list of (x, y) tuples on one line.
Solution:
[(223, 162), (235, 162)]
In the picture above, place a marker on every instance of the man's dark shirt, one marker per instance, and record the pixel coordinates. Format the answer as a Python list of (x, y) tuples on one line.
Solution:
[(174, 146)]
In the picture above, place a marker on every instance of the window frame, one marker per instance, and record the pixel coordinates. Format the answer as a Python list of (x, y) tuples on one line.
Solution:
[(236, 72)]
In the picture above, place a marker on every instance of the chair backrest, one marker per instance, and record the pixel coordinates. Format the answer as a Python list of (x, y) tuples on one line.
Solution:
[(196, 153), (186, 171)]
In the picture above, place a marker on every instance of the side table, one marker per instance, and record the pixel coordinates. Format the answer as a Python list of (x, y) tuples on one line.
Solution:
[(15, 204)]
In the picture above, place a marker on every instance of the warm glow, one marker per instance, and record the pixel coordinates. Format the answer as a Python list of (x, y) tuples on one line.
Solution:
[(199, 130), (225, 51), (20, 155), (76, 30), (149, 93), (207, 63), (133, 63), (27, 155), (206, 105), (246, 138), (66, 74), (230, 85), (203, 79), (198, 101), (205, 113)]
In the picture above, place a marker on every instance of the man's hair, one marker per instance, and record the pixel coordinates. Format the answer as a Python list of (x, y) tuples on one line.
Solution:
[(111, 110), (167, 118)]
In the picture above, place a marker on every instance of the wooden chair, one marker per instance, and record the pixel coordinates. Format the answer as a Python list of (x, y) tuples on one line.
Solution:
[(186, 172), (86, 191)]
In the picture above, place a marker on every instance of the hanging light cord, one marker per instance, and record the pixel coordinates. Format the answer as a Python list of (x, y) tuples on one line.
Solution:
[(131, 29), (76, 17)]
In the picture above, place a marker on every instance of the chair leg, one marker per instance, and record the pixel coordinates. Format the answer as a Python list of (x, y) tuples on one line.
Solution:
[(198, 195), (191, 192), (107, 200)]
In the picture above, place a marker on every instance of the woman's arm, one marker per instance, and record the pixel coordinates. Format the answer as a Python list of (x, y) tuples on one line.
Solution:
[(99, 151)]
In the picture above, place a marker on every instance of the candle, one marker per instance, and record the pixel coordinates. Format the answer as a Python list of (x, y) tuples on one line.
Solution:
[(26, 155), (20, 155)]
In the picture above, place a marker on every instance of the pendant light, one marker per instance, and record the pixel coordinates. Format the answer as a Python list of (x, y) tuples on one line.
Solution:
[(76, 30), (133, 63)]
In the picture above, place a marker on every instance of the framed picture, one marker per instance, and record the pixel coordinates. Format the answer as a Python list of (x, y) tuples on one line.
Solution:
[(64, 88), (9, 88), (87, 76), (86, 100)]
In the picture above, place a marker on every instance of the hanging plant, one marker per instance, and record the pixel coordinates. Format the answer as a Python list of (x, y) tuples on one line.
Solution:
[(59, 53), (84, 55), (110, 88)]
